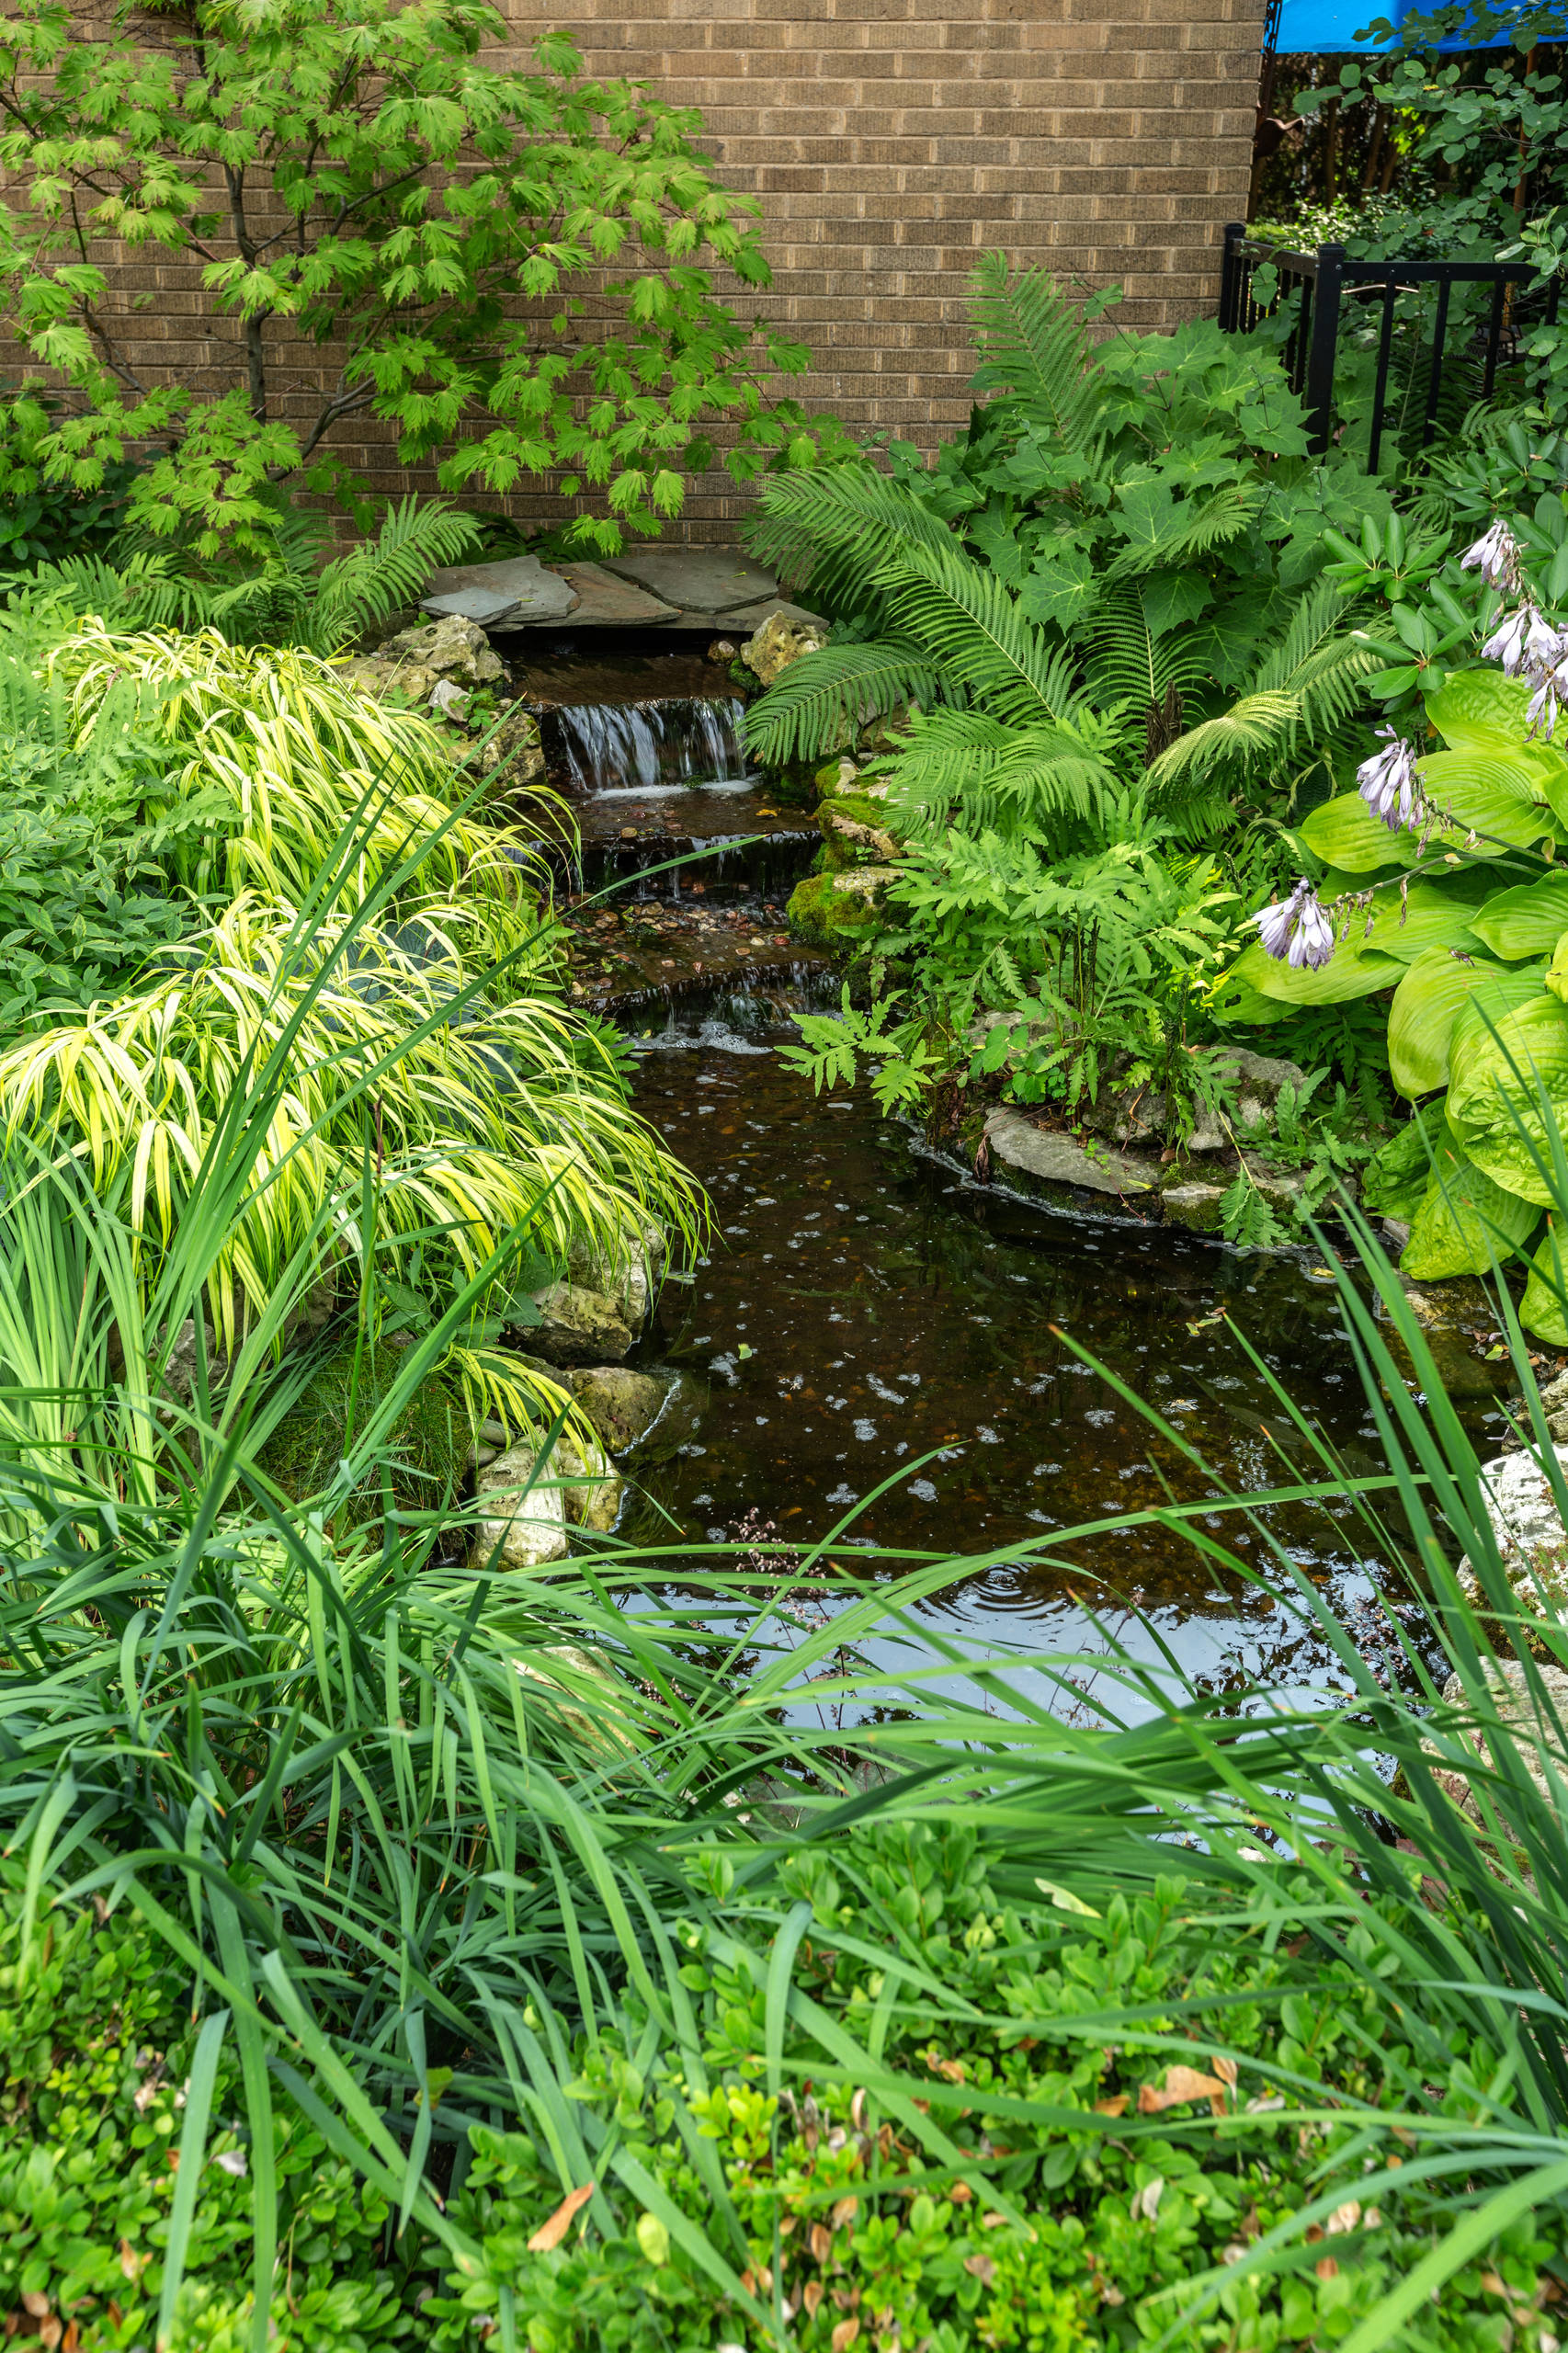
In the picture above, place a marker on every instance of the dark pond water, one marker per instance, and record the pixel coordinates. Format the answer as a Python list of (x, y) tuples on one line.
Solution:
[(883, 1346)]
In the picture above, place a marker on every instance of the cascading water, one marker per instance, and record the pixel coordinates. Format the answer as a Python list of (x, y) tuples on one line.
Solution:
[(677, 744)]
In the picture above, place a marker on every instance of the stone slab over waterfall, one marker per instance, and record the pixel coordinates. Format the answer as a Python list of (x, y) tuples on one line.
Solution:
[(679, 589)]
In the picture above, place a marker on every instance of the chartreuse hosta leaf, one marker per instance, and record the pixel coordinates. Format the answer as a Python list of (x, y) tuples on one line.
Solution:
[(1343, 833), (1427, 1003), (1528, 920), (1500, 795), (1465, 1222), (1480, 710), (1508, 1088), (1542, 1309), (1345, 976)]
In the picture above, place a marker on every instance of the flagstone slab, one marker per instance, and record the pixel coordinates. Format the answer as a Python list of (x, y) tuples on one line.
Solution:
[(516, 590), (695, 580)]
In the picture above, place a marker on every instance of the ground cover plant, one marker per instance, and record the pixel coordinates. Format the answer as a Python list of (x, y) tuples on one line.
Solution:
[(525, 251)]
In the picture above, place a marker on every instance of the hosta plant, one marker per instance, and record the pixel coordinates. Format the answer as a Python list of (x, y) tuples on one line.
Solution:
[(1440, 889)]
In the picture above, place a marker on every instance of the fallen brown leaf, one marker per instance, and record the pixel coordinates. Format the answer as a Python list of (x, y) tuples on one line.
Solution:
[(37, 2307), (982, 2268), (822, 2242), (846, 2210), (811, 2296), (1116, 2106), (844, 2335), (550, 2234), (1181, 2084), (1326, 2268)]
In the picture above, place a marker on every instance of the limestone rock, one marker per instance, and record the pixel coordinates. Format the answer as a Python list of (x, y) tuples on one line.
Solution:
[(407, 681), (580, 1326), (516, 590), (1194, 1205), (451, 702), (1052, 1158), (1554, 1404), (751, 616), (778, 642), (600, 1710), (511, 751), (626, 1273), (865, 881), (1529, 1533), (451, 648), (621, 1404), (528, 1525), (591, 1489)]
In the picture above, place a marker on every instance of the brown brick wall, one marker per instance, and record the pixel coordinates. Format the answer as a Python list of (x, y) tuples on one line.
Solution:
[(890, 143)]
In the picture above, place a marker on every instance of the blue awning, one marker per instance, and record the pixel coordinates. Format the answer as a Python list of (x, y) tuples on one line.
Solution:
[(1326, 27)]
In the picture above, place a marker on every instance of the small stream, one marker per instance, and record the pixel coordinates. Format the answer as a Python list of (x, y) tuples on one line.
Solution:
[(881, 1341)]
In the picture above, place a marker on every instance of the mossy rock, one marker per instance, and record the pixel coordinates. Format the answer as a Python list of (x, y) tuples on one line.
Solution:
[(842, 850), (427, 1447), (824, 916)]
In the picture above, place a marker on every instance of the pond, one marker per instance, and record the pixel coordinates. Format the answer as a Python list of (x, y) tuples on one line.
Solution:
[(887, 1350)]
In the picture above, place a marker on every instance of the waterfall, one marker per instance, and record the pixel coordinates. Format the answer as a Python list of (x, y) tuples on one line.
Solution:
[(640, 747)]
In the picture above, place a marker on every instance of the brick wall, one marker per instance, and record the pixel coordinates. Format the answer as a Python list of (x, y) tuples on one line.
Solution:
[(891, 142)]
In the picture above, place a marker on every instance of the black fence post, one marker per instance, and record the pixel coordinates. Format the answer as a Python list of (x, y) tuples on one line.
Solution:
[(1231, 277), (1319, 381)]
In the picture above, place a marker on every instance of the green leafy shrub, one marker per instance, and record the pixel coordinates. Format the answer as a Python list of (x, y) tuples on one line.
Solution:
[(1029, 2126), (96, 2050), (456, 188)]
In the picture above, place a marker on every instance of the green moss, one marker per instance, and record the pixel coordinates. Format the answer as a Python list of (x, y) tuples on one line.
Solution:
[(860, 810), (427, 1447), (825, 916)]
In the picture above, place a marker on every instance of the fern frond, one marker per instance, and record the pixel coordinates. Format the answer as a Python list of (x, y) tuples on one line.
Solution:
[(363, 586), (826, 530), (1257, 723), (822, 700), (1130, 664), (965, 767), (971, 629), (1032, 344), (143, 591)]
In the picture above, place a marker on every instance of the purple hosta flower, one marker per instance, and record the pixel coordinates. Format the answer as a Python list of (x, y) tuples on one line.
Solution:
[(1497, 557), (1546, 702), (1526, 644), (1388, 782), (1297, 932)]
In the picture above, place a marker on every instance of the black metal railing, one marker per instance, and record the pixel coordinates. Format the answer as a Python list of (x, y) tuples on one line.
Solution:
[(1324, 283)]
